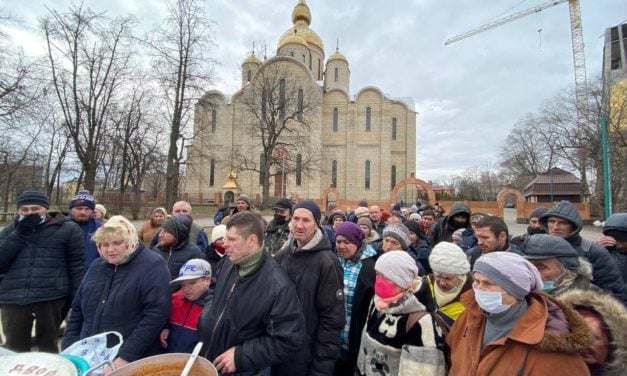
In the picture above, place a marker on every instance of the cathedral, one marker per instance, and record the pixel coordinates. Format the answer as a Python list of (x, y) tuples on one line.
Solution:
[(354, 145)]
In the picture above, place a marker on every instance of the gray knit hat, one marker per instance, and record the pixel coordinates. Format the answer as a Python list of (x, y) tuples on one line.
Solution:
[(397, 266), (398, 232), (511, 271), (244, 198), (365, 221), (542, 246), (448, 258)]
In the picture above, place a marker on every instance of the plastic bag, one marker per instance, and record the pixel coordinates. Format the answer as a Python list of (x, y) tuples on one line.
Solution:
[(94, 349)]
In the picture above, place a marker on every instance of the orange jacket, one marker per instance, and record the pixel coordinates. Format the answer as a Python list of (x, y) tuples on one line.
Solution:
[(531, 348)]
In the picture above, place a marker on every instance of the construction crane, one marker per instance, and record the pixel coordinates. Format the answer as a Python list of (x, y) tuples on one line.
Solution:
[(576, 30)]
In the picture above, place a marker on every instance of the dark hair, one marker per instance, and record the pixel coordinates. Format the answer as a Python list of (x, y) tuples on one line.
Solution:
[(428, 212), (495, 224), (248, 223)]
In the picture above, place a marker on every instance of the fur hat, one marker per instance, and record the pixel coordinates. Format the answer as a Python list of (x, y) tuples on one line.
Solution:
[(397, 266), (398, 232), (511, 271), (448, 258), (33, 197)]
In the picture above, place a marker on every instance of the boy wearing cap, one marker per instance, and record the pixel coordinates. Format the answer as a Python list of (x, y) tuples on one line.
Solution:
[(181, 333), (508, 328)]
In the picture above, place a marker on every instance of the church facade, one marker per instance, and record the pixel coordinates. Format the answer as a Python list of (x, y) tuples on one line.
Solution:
[(361, 144)]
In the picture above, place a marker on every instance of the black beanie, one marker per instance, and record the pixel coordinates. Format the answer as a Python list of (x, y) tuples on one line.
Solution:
[(312, 207), (33, 197)]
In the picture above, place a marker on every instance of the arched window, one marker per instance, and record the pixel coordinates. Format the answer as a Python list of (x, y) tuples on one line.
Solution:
[(367, 175), (368, 118), (335, 118), (214, 120), (264, 101), (282, 100), (334, 173), (301, 104), (319, 69), (299, 169), (262, 163), (393, 176), (393, 128), (249, 75), (304, 59), (212, 172), (336, 74)]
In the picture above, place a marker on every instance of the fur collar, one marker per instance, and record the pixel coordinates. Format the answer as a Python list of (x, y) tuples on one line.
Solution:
[(576, 339)]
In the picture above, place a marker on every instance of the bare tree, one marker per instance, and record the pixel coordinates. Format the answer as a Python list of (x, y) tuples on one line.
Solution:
[(180, 46), (89, 58), (279, 106)]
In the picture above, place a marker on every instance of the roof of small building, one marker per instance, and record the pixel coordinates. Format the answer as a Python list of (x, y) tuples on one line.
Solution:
[(555, 181)]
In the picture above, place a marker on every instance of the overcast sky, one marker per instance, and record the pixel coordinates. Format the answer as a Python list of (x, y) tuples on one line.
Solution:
[(468, 94)]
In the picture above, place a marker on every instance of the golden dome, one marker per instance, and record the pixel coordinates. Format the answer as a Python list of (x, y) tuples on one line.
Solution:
[(304, 33), (294, 38), (338, 56), (251, 59), (301, 12)]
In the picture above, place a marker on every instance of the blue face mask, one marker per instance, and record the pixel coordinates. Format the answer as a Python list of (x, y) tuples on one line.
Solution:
[(548, 286), (491, 301)]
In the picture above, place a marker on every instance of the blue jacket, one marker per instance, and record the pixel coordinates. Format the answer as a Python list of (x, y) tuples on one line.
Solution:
[(88, 228), (132, 298)]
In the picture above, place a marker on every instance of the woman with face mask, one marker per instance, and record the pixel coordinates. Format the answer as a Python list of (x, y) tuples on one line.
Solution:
[(508, 328), (400, 336)]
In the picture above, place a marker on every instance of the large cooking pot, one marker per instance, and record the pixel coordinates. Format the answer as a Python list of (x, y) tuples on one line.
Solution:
[(166, 365)]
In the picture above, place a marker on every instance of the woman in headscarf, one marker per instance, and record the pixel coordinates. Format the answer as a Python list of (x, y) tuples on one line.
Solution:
[(152, 225), (127, 292)]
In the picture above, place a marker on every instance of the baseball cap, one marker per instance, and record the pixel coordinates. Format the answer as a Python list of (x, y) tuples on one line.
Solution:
[(192, 269)]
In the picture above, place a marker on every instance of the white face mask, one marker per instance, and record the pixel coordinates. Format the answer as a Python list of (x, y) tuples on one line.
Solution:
[(491, 301)]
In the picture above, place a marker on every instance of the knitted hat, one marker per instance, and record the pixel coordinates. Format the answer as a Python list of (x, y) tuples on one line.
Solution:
[(361, 212), (398, 267), (33, 197), (83, 198), (338, 213), (363, 203), (511, 271), (412, 226), (312, 207), (192, 269), (543, 246), (365, 221), (244, 198), (101, 208), (415, 217), (218, 233), (448, 258), (398, 232), (457, 235), (283, 204), (351, 232), (537, 212), (413, 209)]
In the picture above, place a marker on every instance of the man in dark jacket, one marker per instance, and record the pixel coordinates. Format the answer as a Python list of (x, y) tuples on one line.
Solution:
[(255, 321), (492, 236), (443, 229), (615, 241), (564, 221), (42, 263), (278, 228), (315, 270), (174, 244), (196, 232), (81, 208), (535, 227)]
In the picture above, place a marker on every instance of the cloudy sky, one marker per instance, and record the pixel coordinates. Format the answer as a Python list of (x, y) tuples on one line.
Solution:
[(468, 94)]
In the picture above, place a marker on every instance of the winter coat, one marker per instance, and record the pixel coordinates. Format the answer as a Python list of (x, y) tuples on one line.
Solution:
[(183, 322), (132, 298), (89, 228), (618, 222), (182, 250), (47, 265), (402, 334), (614, 316), (196, 236), (546, 340), (259, 314), (443, 231), (605, 273), (317, 275), (275, 237)]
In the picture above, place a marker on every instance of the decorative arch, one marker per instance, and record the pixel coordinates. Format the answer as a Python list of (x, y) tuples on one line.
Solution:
[(325, 195), (412, 180), (509, 190)]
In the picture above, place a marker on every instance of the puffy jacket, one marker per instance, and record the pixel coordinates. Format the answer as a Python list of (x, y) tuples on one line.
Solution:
[(274, 237), (259, 314), (615, 223), (317, 274), (546, 340), (182, 250), (47, 265), (183, 322), (89, 228), (132, 298), (442, 229), (605, 273)]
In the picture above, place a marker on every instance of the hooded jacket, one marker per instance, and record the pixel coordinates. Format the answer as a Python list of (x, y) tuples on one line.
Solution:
[(182, 250), (614, 316), (317, 275), (546, 340), (47, 265), (618, 222), (442, 229), (605, 273)]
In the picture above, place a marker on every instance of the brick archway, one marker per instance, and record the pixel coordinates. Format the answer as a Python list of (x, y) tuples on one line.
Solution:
[(325, 194), (509, 190), (412, 180)]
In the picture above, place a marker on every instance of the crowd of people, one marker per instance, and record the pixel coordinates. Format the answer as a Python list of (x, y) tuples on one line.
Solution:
[(372, 291)]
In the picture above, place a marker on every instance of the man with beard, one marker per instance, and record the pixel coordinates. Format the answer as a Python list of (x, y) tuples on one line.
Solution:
[(81, 208), (492, 236), (443, 229), (535, 227), (278, 230)]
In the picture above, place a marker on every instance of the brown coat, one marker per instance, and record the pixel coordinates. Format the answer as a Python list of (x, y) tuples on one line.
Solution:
[(147, 232), (532, 347)]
